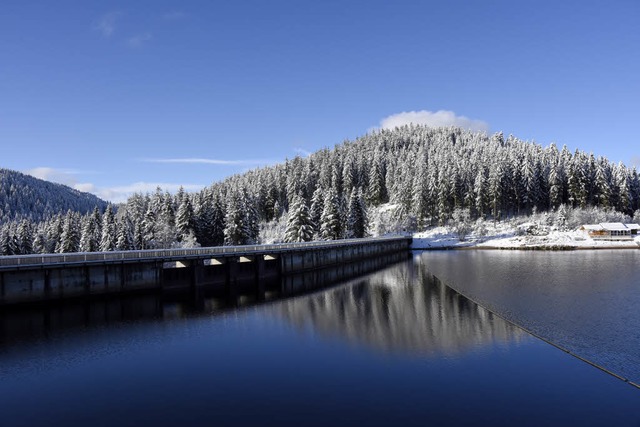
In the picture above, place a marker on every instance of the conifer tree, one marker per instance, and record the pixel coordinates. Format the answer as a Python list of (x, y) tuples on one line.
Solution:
[(70, 237), (236, 231), (602, 188), (109, 236), (25, 237), (331, 227), (377, 181), (555, 187), (8, 240), (124, 232), (481, 195), (299, 225), (356, 216), (185, 222), (149, 228), (317, 206), (91, 233)]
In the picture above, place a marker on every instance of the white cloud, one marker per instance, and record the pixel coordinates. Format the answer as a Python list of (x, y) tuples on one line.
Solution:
[(211, 161), (434, 119), (117, 194), (120, 194), (107, 23), (635, 161), (139, 40), (61, 176)]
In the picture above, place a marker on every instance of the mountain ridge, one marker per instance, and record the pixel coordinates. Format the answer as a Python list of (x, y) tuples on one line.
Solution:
[(23, 196)]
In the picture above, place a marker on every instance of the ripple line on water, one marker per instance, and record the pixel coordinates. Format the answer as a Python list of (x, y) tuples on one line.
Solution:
[(541, 338)]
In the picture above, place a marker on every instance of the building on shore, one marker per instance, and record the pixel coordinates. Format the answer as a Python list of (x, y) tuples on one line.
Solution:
[(611, 231)]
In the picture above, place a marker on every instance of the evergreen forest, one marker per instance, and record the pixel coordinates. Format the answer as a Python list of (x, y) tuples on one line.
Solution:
[(425, 176)]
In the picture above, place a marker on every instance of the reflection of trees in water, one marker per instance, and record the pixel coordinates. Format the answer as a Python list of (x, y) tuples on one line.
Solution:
[(404, 308)]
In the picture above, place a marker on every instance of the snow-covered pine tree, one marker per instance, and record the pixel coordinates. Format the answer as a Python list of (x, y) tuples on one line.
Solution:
[(356, 215), (25, 237), (8, 240), (331, 221), (149, 228), (124, 233), (53, 233), (91, 232), (252, 219), (39, 242), (480, 189), (377, 191), (236, 231), (70, 237), (602, 187), (109, 236), (300, 228), (315, 212), (555, 186), (349, 176), (185, 219)]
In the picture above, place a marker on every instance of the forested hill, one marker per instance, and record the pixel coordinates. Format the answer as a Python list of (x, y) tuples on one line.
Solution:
[(430, 172), (23, 196), (417, 176)]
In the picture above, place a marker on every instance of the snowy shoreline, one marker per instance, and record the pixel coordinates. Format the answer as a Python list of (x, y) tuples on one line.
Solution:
[(441, 238)]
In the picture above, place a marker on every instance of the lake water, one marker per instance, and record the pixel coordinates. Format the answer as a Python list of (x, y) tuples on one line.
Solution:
[(588, 302), (396, 347)]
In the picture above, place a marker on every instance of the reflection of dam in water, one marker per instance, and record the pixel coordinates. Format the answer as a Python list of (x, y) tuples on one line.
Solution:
[(23, 324), (403, 308)]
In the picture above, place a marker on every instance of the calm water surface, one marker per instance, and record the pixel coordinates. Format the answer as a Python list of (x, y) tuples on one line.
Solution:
[(394, 348), (588, 302)]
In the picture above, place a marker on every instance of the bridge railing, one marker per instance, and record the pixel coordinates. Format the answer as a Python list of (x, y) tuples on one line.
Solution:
[(83, 257)]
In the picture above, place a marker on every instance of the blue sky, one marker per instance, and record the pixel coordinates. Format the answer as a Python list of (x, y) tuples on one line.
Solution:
[(114, 97)]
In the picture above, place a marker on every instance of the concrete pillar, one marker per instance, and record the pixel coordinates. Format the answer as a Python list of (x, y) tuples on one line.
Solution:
[(106, 275), (87, 280), (197, 272), (259, 272), (159, 273), (122, 278), (47, 284), (231, 270)]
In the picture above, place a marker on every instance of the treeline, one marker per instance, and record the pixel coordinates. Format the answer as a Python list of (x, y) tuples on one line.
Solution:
[(427, 173)]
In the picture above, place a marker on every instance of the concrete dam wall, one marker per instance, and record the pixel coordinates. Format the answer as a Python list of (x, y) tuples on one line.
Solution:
[(41, 278)]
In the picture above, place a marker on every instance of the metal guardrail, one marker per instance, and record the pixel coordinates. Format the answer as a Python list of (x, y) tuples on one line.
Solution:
[(82, 257)]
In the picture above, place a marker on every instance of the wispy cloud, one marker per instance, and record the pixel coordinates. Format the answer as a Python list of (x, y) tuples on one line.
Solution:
[(635, 161), (434, 119), (191, 160), (61, 176), (106, 25), (120, 194), (139, 40), (115, 194)]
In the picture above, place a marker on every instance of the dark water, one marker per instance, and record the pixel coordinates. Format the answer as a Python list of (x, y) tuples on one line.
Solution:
[(396, 347), (588, 302)]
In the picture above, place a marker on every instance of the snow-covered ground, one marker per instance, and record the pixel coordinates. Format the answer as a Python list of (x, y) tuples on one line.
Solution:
[(505, 236)]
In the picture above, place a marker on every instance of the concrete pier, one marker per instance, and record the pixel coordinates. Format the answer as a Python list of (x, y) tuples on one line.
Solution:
[(41, 278)]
